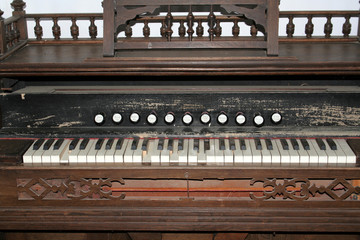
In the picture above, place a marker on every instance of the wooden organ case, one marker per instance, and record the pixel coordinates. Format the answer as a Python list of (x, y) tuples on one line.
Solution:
[(187, 133)]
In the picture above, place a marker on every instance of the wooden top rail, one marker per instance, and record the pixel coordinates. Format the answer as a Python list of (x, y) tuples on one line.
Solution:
[(78, 16), (319, 13), (11, 19)]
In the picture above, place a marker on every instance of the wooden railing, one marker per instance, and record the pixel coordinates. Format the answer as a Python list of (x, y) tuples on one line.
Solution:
[(13, 30)]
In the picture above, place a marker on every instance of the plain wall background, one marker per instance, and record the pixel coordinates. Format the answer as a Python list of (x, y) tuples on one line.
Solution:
[(94, 6)]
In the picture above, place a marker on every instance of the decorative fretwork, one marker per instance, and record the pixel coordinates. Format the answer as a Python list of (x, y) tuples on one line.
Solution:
[(71, 188)]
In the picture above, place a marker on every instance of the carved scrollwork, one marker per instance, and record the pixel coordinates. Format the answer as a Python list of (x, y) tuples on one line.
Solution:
[(71, 188)]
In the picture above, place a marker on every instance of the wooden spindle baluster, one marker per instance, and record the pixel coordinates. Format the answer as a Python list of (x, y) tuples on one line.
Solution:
[(309, 27), (74, 29), (163, 29), (218, 29), (38, 30), (190, 23), (236, 28), (16, 32), (2, 34), (290, 27), (211, 23), (8, 36), (93, 28), (128, 31), (169, 22), (253, 31), (13, 33), (182, 29), (146, 29), (199, 29), (56, 29), (346, 27), (328, 28)]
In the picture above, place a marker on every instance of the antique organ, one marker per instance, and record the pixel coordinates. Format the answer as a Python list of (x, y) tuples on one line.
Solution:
[(189, 131)]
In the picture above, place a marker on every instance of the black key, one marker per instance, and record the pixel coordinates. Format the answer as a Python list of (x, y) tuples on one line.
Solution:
[(305, 144), (321, 144), (232, 144), (332, 144), (284, 144), (73, 144), (144, 145), (134, 144), (181, 144), (206, 144), (269, 145), (119, 143), (160, 145), (222, 144), (84, 143), (242, 144), (258, 144), (99, 144), (295, 144), (48, 144), (38, 144), (58, 144), (109, 143), (170, 144), (196, 144)]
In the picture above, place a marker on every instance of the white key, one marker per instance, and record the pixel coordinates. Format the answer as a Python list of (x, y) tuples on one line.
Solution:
[(155, 152), (228, 153), (313, 156), (219, 154), (332, 156), (210, 154), (119, 153), (138, 153), (266, 154), (257, 156), (27, 157), (174, 154), (323, 158), (294, 154), (275, 153), (91, 155), (192, 154), (238, 153), (285, 155), (247, 153), (61, 155), (183, 154), (100, 155), (341, 155), (36, 157), (304, 155), (201, 154), (82, 156), (73, 154), (165, 153), (109, 154), (350, 155), (128, 155)]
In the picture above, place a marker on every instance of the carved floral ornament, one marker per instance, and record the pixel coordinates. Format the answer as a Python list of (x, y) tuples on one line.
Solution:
[(295, 189)]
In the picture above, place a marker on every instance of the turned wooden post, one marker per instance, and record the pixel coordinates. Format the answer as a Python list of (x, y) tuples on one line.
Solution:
[(2, 34), (359, 27), (273, 28), (109, 23), (19, 6)]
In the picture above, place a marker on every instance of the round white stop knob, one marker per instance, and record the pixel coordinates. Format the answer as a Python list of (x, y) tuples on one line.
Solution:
[(187, 119), (205, 118), (152, 119), (258, 120), (276, 117), (222, 118), (99, 118), (134, 117), (240, 119), (117, 118), (169, 118)]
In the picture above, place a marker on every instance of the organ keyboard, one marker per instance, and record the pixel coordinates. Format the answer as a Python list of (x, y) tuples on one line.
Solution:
[(192, 151)]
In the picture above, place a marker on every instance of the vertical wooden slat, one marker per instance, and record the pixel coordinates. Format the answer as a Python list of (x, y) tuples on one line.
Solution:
[(109, 28), (273, 28)]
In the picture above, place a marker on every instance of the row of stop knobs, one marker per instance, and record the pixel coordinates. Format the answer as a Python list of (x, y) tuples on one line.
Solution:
[(187, 118)]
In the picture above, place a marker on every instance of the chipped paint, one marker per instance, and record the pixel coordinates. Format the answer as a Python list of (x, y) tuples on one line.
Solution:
[(69, 124), (45, 118), (23, 96)]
